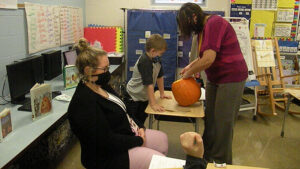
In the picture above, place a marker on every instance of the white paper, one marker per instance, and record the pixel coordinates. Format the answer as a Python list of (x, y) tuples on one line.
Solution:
[(165, 162), (265, 59), (264, 4), (285, 15), (180, 43), (71, 25), (142, 41), (43, 27), (243, 35), (202, 97), (147, 34), (139, 52), (180, 54), (283, 30), (131, 69), (9, 4), (264, 53), (167, 36)]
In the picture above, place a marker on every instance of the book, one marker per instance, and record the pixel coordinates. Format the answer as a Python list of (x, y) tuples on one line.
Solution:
[(5, 123), (71, 76), (41, 100)]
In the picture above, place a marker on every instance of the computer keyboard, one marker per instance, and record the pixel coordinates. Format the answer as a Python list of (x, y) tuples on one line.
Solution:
[(27, 105)]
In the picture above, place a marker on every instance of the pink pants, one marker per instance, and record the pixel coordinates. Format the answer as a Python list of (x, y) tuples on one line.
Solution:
[(156, 144)]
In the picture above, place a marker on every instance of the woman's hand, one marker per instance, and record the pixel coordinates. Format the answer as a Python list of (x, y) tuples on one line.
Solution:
[(141, 133), (184, 72)]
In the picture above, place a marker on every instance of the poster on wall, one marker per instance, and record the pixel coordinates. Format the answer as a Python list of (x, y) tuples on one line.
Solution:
[(42, 27), (282, 30), (264, 53), (241, 10), (9, 4), (71, 25), (242, 31), (264, 4), (285, 15)]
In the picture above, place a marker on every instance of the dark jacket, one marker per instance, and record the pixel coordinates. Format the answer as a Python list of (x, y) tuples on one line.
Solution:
[(102, 128), (195, 163)]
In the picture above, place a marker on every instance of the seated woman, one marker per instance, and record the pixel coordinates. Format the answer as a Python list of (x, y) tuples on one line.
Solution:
[(109, 136)]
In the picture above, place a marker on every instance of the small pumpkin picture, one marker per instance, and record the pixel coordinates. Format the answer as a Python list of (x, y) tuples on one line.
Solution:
[(186, 91), (46, 105)]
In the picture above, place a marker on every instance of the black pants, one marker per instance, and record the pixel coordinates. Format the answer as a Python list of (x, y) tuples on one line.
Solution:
[(136, 108)]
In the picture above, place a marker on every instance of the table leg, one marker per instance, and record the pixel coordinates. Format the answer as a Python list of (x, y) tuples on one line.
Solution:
[(197, 127), (285, 113), (150, 121)]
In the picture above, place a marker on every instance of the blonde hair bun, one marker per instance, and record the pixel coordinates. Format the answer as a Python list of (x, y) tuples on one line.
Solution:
[(82, 45)]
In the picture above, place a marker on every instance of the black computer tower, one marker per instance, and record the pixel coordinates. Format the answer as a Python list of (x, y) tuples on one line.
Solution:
[(52, 64)]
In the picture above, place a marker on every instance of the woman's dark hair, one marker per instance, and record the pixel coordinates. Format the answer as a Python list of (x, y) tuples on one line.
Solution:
[(186, 22)]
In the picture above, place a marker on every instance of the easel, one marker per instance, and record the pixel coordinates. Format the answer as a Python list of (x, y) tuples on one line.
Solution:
[(241, 27)]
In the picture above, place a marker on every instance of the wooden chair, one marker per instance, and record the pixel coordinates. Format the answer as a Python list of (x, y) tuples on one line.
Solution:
[(270, 84)]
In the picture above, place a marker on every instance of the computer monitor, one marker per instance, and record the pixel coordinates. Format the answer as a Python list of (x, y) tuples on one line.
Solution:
[(22, 75), (52, 64), (70, 57)]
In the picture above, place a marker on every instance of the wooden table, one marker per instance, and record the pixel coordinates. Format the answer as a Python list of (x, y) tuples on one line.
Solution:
[(173, 109)]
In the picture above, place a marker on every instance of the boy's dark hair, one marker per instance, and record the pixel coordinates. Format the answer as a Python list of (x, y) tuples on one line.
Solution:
[(186, 22), (156, 42)]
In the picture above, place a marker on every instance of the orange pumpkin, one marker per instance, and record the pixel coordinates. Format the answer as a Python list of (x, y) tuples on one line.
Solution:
[(186, 91)]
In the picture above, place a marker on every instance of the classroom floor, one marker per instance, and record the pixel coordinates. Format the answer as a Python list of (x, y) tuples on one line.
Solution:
[(256, 143)]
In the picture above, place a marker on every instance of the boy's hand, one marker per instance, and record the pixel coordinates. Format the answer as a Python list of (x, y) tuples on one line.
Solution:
[(157, 107), (163, 96)]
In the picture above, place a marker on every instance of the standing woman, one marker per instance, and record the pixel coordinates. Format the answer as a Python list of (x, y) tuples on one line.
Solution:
[(221, 58)]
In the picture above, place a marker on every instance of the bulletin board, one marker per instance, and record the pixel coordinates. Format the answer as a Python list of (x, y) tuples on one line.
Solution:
[(261, 27), (140, 25)]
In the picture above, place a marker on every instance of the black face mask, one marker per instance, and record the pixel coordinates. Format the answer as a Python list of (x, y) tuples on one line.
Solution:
[(103, 78), (156, 59)]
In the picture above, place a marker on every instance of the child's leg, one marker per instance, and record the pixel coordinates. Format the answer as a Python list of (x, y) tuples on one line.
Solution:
[(157, 140)]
